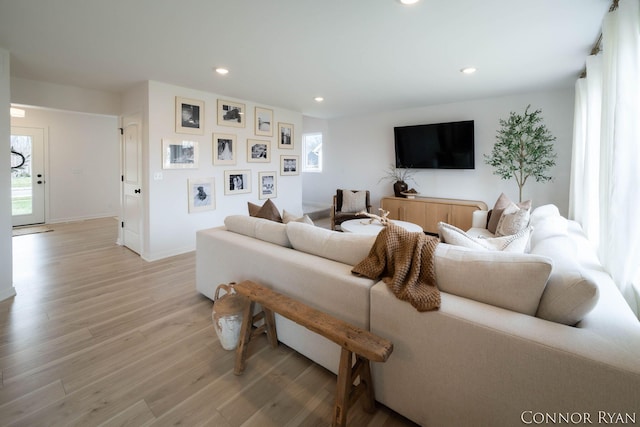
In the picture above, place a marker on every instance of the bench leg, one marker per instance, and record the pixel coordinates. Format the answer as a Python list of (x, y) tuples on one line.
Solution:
[(245, 337), (346, 393)]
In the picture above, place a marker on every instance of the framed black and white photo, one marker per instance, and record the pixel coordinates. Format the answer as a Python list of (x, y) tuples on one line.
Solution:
[(189, 116), (237, 181), (224, 149), (268, 188), (202, 194), (179, 154), (264, 122), (231, 113), (289, 165), (285, 136), (258, 151)]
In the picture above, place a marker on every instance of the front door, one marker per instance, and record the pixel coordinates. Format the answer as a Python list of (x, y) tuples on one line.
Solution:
[(27, 176), (132, 201)]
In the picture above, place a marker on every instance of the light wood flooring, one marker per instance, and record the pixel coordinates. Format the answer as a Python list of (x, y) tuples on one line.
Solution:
[(97, 336)]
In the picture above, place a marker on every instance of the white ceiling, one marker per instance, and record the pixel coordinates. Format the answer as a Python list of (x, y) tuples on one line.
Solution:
[(362, 56)]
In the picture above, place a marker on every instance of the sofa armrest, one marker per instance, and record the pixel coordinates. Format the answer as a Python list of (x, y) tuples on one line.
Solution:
[(479, 219)]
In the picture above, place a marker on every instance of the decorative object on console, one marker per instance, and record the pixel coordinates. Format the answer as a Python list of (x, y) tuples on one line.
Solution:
[(347, 204), (524, 149), (399, 177)]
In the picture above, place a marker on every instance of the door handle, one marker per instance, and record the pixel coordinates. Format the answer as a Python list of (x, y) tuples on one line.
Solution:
[(137, 191), (39, 182)]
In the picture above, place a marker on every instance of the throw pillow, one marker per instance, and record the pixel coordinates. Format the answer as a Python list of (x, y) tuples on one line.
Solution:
[(513, 243), (502, 202), (289, 217), (512, 221), (267, 211), (353, 201)]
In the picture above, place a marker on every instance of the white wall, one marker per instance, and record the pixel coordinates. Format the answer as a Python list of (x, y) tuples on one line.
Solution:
[(61, 97), (82, 163), (171, 229), (6, 269), (357, 150)]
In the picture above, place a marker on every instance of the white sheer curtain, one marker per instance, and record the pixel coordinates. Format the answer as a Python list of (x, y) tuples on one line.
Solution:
[(585, 167), (613, 222)]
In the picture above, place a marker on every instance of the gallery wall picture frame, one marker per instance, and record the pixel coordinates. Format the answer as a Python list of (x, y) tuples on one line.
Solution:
[(258, 151), (179, 154), (224, 149), (267, 185), (237, 181), (189, 116), (231, 113), (202, 194), (263, 121), (285, 136), (289, 165)]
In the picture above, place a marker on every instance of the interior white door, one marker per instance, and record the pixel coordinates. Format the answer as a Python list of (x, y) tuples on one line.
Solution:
[(132, 198), (27, 176)]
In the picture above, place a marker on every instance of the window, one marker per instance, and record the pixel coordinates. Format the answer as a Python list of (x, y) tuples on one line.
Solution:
[(312, 152)]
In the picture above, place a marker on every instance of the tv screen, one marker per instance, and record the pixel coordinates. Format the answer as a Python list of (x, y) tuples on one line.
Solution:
[(435, 146)]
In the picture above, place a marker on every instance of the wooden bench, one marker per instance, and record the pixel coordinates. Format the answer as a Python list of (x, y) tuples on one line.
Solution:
[(354, 341)]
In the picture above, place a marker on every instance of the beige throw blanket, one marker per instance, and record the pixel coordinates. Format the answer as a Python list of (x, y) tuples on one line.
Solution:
[(404, 261)]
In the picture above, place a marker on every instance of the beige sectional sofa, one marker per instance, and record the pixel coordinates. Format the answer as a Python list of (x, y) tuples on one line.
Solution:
[(490, 355)]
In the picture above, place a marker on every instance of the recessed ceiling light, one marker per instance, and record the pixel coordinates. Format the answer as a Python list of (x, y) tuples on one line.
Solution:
[(319, 99), (222, 71), (408, 2), (468, 70)]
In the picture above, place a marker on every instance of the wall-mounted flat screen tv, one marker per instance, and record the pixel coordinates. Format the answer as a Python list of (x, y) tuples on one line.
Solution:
[(435, 146)]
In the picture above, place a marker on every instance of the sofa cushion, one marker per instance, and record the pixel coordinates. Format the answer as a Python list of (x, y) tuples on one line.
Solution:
[(496, 213), (259, 228), (267, 211), (513, 281), (347, 248), (455, 236), (289, 217), (570, 293)]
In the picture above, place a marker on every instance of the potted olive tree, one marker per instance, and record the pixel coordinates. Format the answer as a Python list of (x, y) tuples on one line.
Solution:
[(523, 149)]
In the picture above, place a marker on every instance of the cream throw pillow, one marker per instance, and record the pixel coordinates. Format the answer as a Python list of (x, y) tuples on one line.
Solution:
[(513, 243), (512, 221), (353, 201)]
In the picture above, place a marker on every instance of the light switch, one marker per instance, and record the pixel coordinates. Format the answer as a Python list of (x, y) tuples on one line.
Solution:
[(157, 176)]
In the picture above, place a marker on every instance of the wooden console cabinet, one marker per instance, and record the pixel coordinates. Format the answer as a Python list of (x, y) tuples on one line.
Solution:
[(427, 212)]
